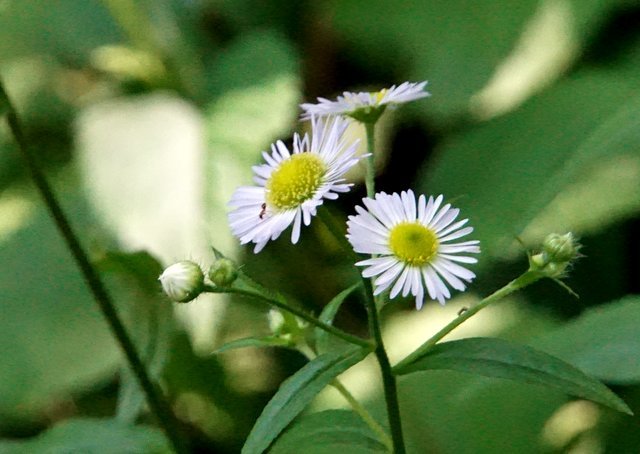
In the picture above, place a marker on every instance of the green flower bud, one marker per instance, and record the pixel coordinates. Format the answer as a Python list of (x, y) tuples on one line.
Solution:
[(557, 253), (182, 281), (223, 272), (560, 248)]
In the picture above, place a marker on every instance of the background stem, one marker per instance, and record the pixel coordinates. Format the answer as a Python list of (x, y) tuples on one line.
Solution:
[(156, 402)]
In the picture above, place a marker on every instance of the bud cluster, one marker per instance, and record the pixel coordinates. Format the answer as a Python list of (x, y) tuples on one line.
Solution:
[(184, 281)]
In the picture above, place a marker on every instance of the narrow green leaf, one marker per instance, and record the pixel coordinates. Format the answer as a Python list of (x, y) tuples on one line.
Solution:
[(503, 359), (327, 431), (102, 436), (325, 341), (294, 395), (270, 341), (603, 342)]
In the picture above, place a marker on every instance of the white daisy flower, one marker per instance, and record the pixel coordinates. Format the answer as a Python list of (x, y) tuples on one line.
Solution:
[(365, 106), (411, 244), (291, 185)]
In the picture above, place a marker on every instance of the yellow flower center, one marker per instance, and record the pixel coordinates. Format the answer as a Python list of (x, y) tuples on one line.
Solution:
[(296, 180), (413, 243)]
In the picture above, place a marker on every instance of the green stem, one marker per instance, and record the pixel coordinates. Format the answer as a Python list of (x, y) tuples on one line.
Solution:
[(371, 169), (353, 402), (158, 405), (520, 282), (363, 413), (388, 379), (299, 313)]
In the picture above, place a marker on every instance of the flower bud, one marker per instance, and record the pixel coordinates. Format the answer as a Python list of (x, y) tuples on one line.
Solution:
[(557, 253), (223, 272), (560, 248), (182, 281)]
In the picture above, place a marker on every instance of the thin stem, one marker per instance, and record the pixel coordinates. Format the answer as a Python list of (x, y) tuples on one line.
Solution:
[(297, 312), (520, 282), (363, 413), (388, 379), (371, 170), (158, 405), (353, 402)]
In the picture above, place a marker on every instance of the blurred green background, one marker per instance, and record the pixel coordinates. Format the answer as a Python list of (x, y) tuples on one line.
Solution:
[(147, 114)]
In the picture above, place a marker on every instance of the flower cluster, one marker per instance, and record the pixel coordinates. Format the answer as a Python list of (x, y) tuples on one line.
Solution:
[(410, 240)]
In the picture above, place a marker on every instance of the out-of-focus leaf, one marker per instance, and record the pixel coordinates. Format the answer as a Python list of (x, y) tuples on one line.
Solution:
[(324, 340), (132, 279), (271, 341), (92, 436), (327, 432), (503, 359), (143, 163), (603, 342), (294, 395), (258, 86), (460, 46), (72, 29), (454, 44), (155, 201), (503, 173), (53, 339)]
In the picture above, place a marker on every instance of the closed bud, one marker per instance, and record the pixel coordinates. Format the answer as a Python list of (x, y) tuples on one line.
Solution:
[(223, 272), (561, 248), (182, 281), (557, 253)]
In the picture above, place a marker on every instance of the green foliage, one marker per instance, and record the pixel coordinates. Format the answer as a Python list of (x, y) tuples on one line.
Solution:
[(55, 340), (324, 341), (499, 358), (534, 153), (93, 436), (294, 395), (603, 342), (562, 154), (327, 431), (269, 341)]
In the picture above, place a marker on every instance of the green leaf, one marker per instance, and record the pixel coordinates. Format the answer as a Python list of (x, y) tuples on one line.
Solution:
[(324, 340), (534, 153), (603, 341), (256, 85), (55, 340), (270, 341), (102, 436), (133, 277), (294, 395), (456, 44), (503, 359), (36, 28), (327, 431)]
